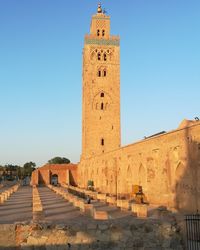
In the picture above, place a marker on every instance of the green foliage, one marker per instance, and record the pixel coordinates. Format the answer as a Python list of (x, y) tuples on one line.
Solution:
[(11, 172), (59, 160), (28, 168), (90, 183), (10, 167)]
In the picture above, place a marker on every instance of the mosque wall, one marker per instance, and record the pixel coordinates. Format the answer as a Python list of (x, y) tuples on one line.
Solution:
[(166, 166)]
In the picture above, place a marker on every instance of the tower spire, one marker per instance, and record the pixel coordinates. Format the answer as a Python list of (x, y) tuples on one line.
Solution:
[(99, 9)]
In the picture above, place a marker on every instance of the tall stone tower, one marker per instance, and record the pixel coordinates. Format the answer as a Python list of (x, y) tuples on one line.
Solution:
[(101, 88)]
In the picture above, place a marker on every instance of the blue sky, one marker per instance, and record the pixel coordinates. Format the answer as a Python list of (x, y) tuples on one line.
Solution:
[(41, 66)]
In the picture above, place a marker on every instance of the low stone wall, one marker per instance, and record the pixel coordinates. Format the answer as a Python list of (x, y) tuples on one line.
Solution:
[(7, 237), (122, 235)]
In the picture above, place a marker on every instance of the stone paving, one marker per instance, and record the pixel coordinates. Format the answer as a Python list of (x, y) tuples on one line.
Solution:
[(66, 227), (57, 209), (18, 207)]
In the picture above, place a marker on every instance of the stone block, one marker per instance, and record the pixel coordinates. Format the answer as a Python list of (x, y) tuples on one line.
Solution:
[(101, 197), (123, 204), (37, 207), (88, 209), (139, 209), (65, 196), (77, 202), (111, 200), (2, 198), (5, 196), (81, 204), (100, 215)]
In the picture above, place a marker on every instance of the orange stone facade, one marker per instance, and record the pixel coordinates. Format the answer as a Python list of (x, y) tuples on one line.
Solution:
[(101, 89), (65, 174), (167, 166)]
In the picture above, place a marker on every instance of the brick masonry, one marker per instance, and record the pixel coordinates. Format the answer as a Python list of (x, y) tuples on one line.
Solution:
[(167, 166)]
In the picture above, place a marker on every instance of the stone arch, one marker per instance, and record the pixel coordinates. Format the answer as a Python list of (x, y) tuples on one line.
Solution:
[(179, 172), (54, 179), (100, 101), (185, 199), (142, 177), (129, 178), (176, 155), (93, 54)]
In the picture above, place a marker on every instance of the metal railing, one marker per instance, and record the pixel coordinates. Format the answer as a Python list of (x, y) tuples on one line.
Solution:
[(193, 231)]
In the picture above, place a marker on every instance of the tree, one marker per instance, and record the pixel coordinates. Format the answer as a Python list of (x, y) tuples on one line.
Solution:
[(59, 160), (11, 170), (28, 168)]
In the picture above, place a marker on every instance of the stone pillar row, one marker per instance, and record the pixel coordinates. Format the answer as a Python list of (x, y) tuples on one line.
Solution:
[(75, 200), (7, 193), (139, 210), (38, 211)]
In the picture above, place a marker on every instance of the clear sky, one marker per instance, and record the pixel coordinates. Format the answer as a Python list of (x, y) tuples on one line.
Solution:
[(41, 45)]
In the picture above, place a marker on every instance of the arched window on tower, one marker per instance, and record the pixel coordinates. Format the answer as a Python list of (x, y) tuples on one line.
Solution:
[(99, 73), (99, 56), (102, 106), (104, 56), (102, 142), (102, 94), (104, 73), (103, 32), (98, 32)]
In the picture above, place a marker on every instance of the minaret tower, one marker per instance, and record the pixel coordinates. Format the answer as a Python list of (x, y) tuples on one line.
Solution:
[(101, 88)]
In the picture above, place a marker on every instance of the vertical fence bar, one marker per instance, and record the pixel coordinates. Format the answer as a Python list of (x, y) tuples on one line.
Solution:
[(186, 227), (198, 230), (193, 231), (192, 227)]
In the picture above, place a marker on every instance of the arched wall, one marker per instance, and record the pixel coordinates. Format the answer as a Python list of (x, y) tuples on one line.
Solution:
[(154, 164)]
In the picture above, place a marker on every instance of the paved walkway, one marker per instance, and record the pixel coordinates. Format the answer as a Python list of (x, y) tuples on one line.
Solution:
[(18, 207), (56, 208)]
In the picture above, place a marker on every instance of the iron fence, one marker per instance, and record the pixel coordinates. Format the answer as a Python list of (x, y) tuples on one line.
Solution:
[(193, 231)]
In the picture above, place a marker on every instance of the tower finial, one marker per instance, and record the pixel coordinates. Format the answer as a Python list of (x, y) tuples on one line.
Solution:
[(99, 10)]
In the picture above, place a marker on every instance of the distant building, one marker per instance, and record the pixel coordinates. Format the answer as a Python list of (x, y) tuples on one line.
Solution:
[(55, 174)]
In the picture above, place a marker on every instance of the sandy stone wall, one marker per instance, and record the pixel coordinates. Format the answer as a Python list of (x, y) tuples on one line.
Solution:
[(67, 174), (101, 89), (125, 235), (7, 236), (166, 166)]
